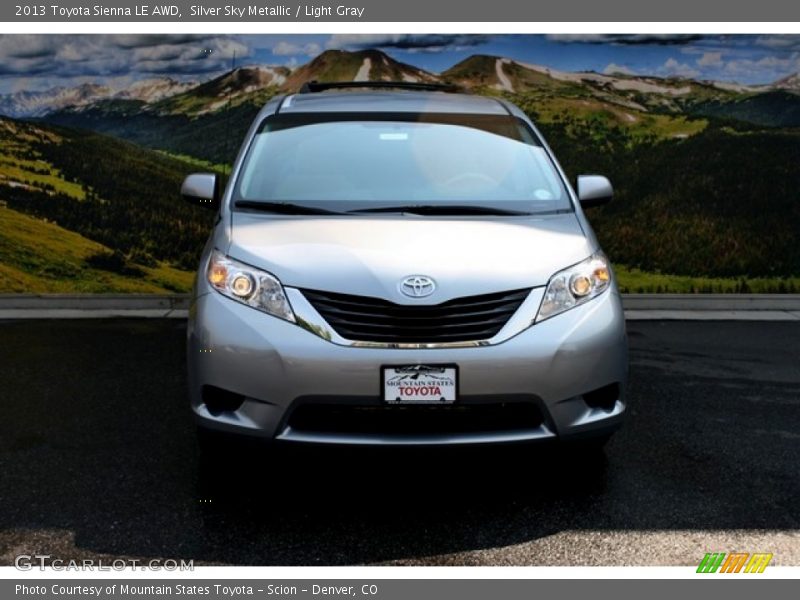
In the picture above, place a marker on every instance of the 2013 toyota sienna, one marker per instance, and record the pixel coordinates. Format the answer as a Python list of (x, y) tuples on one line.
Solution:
[(400, 264)]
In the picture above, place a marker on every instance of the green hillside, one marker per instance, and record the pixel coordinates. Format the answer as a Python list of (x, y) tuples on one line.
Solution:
[(37, 256), (213, 136), (22, 167), (777, 108), (120, 196), (718, 203), (582, 116)]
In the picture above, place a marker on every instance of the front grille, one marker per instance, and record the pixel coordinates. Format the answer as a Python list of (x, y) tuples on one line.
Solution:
[(415, 420), (368, 319)]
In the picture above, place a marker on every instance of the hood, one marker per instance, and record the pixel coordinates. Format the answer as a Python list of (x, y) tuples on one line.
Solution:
[(369, 255)]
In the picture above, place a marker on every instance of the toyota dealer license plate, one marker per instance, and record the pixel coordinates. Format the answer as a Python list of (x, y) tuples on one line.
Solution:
[(420, 384)]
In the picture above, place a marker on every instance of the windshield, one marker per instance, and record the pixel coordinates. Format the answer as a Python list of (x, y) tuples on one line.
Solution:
[(349, 162)]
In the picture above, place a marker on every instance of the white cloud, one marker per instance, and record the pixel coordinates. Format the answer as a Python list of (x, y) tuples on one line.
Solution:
[(666, 39), (779, 42), (284, 48), (615, 69), (65, 56), (766, 69), (710, 59), (673, 68)]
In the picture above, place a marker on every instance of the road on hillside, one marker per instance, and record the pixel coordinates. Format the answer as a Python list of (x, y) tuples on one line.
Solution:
[(97, 459)]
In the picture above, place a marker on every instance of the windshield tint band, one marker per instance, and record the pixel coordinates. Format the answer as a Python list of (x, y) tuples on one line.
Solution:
[(505, 125)]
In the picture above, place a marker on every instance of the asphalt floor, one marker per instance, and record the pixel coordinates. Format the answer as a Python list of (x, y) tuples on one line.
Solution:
[(98, 460)]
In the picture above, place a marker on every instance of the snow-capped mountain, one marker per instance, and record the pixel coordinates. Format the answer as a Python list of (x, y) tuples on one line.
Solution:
[(153, 90), (231, 87), (791, 82), (255, 83), (362, 65), (36, 104)]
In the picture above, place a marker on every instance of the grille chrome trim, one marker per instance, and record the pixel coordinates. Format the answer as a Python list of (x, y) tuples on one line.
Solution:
[(540, 433), (311, 320)]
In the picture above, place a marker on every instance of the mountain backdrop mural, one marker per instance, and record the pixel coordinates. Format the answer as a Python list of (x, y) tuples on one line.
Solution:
[(706, 169)]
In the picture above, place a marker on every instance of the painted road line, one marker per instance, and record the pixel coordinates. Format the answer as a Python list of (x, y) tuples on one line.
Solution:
[(711, 315)]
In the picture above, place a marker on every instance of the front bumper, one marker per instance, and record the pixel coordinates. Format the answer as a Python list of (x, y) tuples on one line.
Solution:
[(276, 366)]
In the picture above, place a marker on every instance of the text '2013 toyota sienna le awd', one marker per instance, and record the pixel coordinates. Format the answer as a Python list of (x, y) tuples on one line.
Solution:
[(403, 267)]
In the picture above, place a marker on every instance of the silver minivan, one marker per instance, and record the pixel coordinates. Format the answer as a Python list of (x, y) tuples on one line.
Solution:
[(399, 264)]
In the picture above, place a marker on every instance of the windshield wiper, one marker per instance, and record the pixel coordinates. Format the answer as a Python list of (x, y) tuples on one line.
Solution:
[(441, 209), (284, 208)]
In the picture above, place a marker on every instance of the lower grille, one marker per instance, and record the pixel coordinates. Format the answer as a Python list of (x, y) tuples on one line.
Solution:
[(368, 319), (415, 420)]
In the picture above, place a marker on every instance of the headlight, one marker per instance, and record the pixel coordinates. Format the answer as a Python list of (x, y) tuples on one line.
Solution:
[(575, 285), (248, 285)]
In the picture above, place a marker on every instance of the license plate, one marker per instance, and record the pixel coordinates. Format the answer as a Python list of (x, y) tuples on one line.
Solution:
[(420, 384)]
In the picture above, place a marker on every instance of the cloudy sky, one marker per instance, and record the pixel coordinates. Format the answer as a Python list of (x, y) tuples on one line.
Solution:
[(36, 62)]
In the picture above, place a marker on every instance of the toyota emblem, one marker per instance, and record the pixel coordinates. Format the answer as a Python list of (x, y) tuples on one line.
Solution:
[(417, 286)]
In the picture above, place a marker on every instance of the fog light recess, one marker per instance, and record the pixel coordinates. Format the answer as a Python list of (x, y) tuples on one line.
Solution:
[(218, 400), (603, 398)]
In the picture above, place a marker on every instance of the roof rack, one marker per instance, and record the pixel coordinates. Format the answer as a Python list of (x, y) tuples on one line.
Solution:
[(311, 87)]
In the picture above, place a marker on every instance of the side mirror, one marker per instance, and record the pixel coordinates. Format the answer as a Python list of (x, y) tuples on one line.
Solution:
[(594, 190), (201, 189)]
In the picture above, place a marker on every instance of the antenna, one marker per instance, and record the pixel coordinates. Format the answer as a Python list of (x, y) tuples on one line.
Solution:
[(228, 142)]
